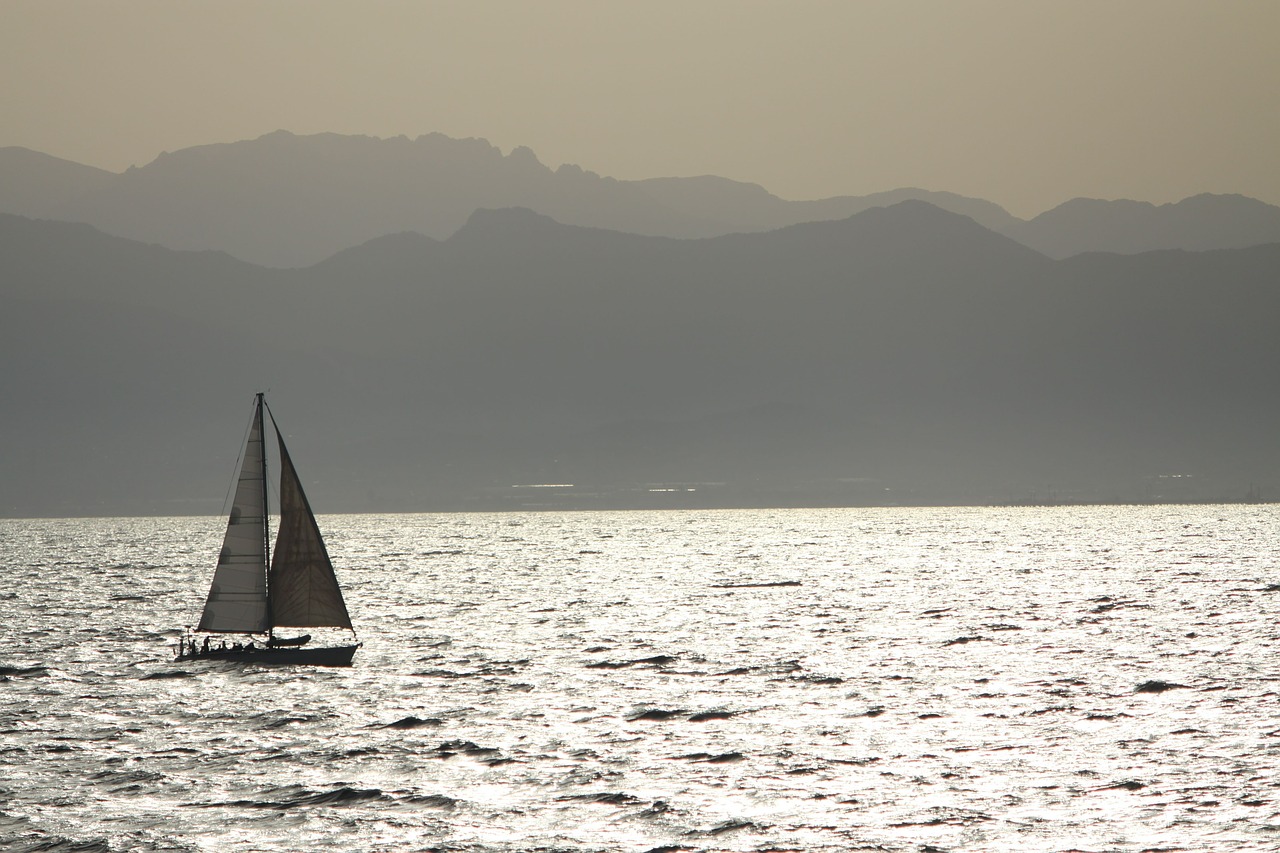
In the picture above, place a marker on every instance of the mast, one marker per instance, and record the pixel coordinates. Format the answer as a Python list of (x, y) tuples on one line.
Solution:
[(266, 510)]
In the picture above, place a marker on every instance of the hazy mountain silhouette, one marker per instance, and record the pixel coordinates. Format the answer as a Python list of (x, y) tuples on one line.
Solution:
[(289, 201), (904, 354), (37, 185), (731, 206), (1129, 227)]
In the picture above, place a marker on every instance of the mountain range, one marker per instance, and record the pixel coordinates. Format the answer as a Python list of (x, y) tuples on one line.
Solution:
[(902, 354), (284, 200)]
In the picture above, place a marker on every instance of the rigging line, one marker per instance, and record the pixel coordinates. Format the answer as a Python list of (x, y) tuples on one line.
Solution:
[(273, 488), (235, 472)]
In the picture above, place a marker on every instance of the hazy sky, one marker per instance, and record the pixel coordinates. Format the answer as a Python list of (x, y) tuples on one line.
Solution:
[(1025, 103)]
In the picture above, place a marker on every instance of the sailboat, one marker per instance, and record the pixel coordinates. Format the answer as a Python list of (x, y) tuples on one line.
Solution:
[(255, 592)]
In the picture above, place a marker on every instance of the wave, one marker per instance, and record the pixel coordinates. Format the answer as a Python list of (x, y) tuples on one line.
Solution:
[(612, 799), (412, 722), (655, 660), (161, 676), (294, 796), (55, 844)]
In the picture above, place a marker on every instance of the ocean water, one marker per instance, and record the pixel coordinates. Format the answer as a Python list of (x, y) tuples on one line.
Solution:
[(1030, 679)]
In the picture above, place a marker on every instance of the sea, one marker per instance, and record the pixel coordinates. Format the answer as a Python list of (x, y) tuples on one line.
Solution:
[(1081, 678)]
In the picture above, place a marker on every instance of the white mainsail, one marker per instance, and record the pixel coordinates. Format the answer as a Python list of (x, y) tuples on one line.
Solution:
[(237, 601), (304, 589)]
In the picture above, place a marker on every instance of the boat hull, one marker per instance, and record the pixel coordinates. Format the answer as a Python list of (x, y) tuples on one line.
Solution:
[(325, 656)]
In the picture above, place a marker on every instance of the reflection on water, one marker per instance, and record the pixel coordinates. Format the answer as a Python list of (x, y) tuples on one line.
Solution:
[(970, 679)]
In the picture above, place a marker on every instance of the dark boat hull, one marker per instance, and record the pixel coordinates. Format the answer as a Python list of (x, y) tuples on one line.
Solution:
[(326, 656)]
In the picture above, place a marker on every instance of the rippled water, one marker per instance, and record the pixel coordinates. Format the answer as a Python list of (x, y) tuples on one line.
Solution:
[(1100, 679)]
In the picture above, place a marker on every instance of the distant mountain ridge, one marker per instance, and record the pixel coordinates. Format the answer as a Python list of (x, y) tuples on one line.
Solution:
[(291, 201), (904, 354), (1197, 223), (36, 184)]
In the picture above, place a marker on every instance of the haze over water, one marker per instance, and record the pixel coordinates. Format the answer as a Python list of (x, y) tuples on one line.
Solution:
[(951, 679)]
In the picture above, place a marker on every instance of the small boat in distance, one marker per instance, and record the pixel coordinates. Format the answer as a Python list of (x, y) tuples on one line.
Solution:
[(254, 593)]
